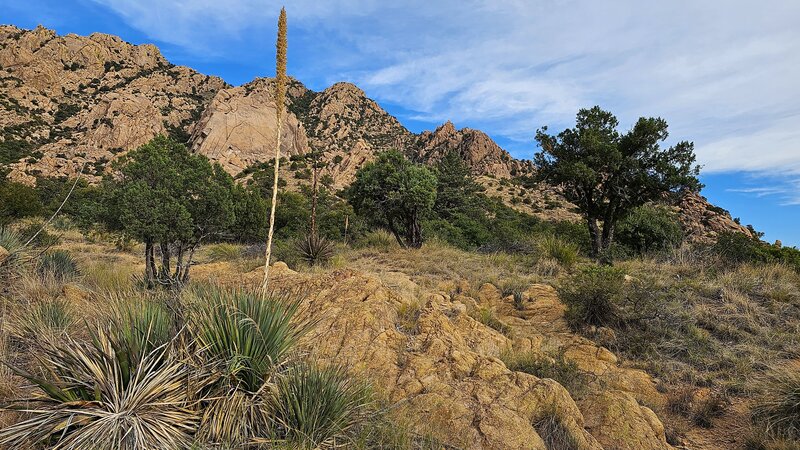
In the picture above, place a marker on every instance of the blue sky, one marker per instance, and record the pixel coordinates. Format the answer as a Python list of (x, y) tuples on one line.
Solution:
[(723, 73)]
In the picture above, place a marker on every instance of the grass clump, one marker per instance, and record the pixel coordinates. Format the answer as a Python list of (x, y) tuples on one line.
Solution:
[(554, 434), (58, 264), (489, 318), (224, 252), (778, 409), (45, 319), (317, 407), (566, 253), (380, 240), (554, 366)]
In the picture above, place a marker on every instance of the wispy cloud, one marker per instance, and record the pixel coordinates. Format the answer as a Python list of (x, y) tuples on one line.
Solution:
[(785, 189), (722, 72)]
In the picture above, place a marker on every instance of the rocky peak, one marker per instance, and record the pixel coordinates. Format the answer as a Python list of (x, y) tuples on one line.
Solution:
[(477, 149), (702, 221)]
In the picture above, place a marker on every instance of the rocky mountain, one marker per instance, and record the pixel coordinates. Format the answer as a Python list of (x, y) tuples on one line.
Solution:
[(72, 103)]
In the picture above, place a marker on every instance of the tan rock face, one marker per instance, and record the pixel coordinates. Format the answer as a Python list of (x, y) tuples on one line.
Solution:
[(440, 368), (81, 101), (238, 128)]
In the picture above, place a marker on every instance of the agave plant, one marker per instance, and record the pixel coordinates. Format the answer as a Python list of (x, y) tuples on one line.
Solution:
[(317, 407), (315, 249), (246, 339), (86, 402)]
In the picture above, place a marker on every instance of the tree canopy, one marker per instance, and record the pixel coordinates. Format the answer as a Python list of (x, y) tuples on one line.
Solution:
[(607, 173), (396, 193)]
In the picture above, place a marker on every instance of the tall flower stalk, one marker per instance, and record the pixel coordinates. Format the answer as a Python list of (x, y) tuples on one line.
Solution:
[(280, 95)]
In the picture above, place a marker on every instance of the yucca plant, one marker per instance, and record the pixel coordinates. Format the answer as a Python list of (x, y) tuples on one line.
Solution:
[(316, 407), (14, 258), (58, 264), (778, 410), (45, 319), (138, 326), (315, 249), (246, 339), (87, 403)]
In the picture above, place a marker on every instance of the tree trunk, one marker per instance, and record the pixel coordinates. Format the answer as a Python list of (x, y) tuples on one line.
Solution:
[(396, 234), (185, 277), (314, 197), (414, 231), (594, 234), (149, 264), (165, 257)]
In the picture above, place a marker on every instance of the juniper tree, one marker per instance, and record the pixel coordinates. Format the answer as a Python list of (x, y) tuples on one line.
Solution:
[(607, 173)]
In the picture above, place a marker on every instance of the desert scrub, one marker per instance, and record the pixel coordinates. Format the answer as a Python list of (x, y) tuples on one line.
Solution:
[(380, 240), (554, 434), (408, 315), (593, 296), (554, 366), (50, 318)]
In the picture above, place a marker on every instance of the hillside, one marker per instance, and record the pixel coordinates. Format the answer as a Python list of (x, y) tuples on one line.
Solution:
[(72, 102)]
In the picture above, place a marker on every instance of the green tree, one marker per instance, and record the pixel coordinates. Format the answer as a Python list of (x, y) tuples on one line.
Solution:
[(456, 191), (170, 198), (396, 193), (17, 201), (606, 174), (650, 228)]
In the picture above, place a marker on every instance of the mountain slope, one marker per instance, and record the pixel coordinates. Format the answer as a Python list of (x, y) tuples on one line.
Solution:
[(70, 103)]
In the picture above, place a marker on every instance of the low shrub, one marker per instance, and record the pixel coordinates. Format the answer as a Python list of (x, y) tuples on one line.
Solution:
[(593, 296), (224, 252), (649, 228), (488, 317), (381, 240), (43, 239)]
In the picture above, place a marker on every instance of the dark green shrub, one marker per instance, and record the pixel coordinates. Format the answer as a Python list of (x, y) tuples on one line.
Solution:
[(649, 228), (42, 239), (17, 201), (593, 296)]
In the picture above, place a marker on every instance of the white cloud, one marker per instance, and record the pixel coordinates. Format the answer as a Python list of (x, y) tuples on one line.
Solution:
[(722, 72)]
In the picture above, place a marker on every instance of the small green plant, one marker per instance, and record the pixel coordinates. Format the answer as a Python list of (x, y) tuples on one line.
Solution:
[(593, 296), (778, 410), (380, 240), (58, 264), (318, 407), (43, 239), (314, 249), (408, 315)]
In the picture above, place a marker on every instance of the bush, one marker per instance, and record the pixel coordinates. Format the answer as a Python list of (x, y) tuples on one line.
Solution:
[(17, 201), (593, 296), (778, 410), (43, 238), (58, 264), (317, 408), (649, 228), (379, 239)]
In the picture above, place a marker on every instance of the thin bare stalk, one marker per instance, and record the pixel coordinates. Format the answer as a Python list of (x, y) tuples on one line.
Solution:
[(80, 172), (280, 95)]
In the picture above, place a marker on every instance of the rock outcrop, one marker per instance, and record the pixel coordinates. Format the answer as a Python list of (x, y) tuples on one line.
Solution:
[(71, 102), (702, 222), (441, 368)]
